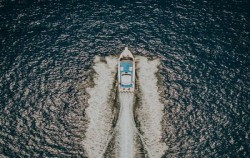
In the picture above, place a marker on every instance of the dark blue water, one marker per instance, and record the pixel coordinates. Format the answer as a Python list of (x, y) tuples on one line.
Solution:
[(46, 49)]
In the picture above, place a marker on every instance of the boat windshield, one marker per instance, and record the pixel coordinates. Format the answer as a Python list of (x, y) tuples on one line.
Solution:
[(126, 58)]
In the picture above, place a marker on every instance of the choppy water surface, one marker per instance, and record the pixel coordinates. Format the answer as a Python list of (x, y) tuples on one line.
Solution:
[(47, 48)]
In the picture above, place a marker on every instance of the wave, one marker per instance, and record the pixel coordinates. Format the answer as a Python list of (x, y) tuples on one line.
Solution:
[(99, 111), (150, 111)]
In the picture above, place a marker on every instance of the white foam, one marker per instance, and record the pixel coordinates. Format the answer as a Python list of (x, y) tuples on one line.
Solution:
[(126, 126), (99, 111), (151, 111)]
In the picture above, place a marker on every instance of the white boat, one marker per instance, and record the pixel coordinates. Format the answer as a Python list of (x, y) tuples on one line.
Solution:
[(126, 71)]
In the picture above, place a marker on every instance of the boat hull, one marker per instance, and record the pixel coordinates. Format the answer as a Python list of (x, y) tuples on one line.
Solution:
[(126, 72)]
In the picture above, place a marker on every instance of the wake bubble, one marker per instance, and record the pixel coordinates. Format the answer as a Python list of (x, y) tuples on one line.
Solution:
[(99, 111), (150, 112)]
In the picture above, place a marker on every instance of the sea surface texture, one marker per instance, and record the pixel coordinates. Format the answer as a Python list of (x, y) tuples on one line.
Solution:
[(47, 48)]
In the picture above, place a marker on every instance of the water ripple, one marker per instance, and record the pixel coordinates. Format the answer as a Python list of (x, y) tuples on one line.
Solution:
[(47, 48)]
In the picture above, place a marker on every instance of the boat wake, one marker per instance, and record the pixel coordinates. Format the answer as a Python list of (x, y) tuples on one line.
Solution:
[(100, 112), (126, 126), (150, 111), (136, 130)]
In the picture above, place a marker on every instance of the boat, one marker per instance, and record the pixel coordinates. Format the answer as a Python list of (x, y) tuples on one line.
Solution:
[(126, 72)]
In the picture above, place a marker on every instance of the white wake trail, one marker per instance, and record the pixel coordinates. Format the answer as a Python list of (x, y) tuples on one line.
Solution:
[(150, 113), (126, 126), (99, 110)]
